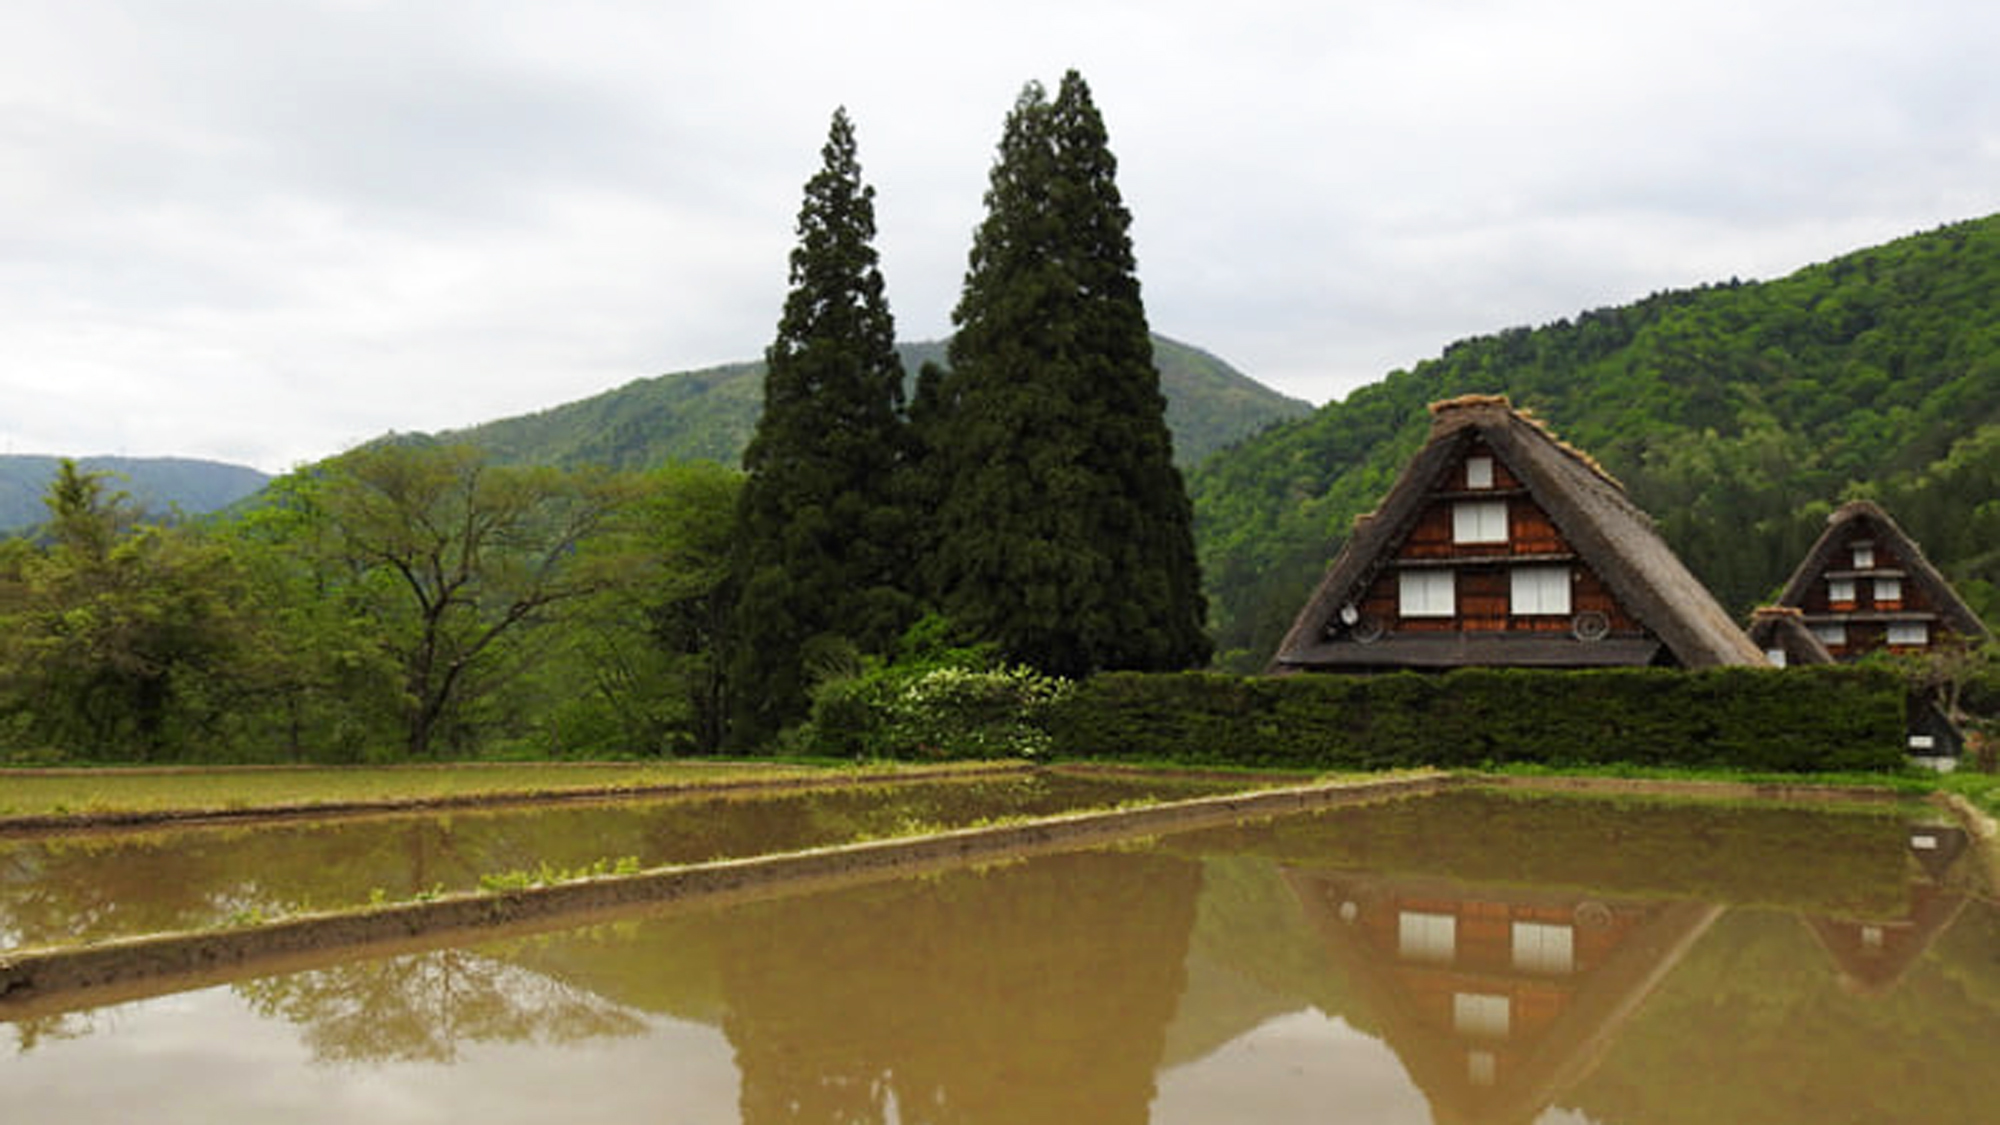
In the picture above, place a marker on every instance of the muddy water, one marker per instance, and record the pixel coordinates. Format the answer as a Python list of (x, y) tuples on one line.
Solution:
[(62, 889), (1458, 958)]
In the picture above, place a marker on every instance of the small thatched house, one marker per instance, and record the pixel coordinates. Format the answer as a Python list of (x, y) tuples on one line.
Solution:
[(1866, 586), (1781, 634), (1501, 545)]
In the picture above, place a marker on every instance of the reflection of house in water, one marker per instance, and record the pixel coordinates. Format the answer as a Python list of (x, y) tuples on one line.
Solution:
[(1496, 999), (1874, 952)]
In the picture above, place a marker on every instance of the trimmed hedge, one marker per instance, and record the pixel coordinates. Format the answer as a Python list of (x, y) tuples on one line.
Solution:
[(1794, 720)]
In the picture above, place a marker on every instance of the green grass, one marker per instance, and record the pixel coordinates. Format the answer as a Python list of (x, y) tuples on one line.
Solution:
[(112, 791), (1982, 790)]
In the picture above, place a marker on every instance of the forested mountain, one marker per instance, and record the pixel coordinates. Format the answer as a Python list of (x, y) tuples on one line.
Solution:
[(709, 414), (158, 484), (1739, 415)]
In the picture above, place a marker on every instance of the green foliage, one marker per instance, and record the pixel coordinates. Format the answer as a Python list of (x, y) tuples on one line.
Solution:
[(451, 560), (118, 640), (633, 669), (1738, 415), (1810, 719), (936, 701), (1062, 529), (546, 874), (826, 538)]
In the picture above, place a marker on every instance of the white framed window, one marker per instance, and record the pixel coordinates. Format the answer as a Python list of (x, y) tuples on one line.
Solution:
[(1840, 589), (1864, 556), (1831, 633), (1539, 590), (1888, 590), (1479, 472), (1777, 657), (1479, 521), (1909, 633), (1541, 947), (1489, 1017), (1430, 938), (1427, 593)]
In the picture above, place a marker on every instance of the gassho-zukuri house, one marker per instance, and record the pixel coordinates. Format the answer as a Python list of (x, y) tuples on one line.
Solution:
[(1502, 546), (1865, 586)]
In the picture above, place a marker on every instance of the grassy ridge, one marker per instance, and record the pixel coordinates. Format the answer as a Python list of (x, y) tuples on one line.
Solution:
[(83, 793)]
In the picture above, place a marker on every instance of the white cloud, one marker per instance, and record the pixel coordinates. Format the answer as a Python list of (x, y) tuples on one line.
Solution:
[(261, 232)]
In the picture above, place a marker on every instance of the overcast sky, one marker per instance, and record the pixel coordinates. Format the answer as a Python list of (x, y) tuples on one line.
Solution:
[(265, 230)]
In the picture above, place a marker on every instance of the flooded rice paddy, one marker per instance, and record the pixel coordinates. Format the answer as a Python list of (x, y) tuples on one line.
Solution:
[(1463, 957), (63, 888)]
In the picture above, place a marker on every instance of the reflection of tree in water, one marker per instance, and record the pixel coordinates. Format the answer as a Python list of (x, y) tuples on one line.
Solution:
[(37, 1030), (1036, 992), (422, 1007)]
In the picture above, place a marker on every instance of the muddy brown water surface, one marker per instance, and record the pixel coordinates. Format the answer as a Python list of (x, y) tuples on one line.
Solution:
[(1463, 957), (63, 888)]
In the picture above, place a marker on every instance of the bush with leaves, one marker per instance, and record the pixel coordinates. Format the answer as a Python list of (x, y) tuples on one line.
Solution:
[(934, 701)]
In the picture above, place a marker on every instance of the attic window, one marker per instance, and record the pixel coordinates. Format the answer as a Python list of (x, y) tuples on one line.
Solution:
[(1888, 590), (1479, 472), (1831, 633), (1864, 555), (1909, 633), (1479, 521), (1839, 590), (1539, 590), (1427, 593)]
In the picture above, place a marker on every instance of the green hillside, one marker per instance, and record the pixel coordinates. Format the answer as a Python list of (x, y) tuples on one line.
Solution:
[(159, 484), (1739, 415), (709, 414)]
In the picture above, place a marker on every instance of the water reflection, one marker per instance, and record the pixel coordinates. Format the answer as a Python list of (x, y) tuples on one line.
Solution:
[(98, 885), (1471, 959)]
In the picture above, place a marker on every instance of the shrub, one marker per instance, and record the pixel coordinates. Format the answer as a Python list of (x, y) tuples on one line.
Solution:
[(935, 712), (1830, 718)]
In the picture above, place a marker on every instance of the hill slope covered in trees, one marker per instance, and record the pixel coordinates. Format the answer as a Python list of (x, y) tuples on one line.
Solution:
[(1739, 415), (709, 414)]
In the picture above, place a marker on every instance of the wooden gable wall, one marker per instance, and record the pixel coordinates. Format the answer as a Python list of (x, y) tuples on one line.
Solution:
[(1482, 571), (1851, 606)]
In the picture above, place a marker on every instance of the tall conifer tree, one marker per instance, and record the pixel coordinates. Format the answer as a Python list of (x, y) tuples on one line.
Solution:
[(823, 552), (1063, 530)]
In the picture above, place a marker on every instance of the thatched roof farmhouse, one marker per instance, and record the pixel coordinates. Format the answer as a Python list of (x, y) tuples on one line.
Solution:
[(1502, 545)]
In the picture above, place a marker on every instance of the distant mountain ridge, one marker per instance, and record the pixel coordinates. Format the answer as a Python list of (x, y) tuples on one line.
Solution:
[(160, 485), (709, 414)]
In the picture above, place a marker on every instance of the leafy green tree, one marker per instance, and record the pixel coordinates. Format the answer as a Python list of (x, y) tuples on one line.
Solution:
[(119, 639), (824, 538), (634, 668), (455, 560), (1062, 529), (329, 686)]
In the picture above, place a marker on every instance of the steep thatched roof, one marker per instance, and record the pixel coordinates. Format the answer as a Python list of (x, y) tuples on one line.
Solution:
[(1608, 532), (1864, 519), (1783, 628)]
